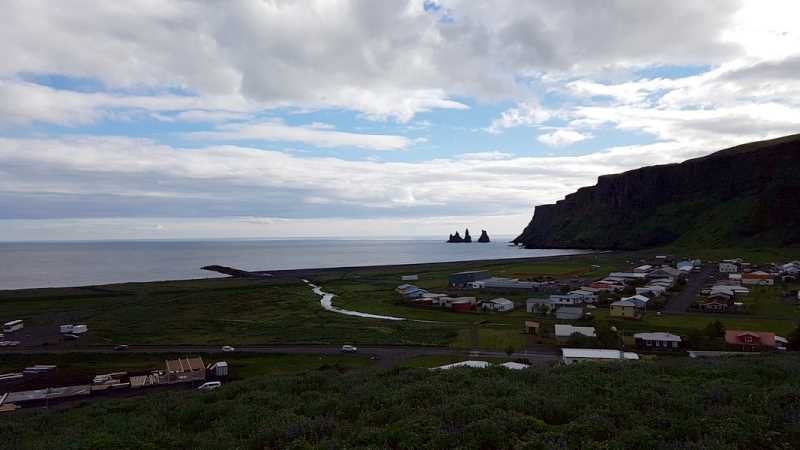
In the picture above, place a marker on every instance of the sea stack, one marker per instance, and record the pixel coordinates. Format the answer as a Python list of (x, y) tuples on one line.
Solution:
[(455, 238), (484, 236), (467, 237)]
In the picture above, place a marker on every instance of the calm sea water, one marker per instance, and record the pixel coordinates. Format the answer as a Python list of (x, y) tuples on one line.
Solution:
[(47, 264)]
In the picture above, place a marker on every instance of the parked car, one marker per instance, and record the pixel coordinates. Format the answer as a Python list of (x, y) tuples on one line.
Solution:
[(121, 347), (209, 386), (349, 348), (228, 348)]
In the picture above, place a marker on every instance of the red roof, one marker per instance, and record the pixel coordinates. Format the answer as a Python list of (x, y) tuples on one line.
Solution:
[(738, 337)]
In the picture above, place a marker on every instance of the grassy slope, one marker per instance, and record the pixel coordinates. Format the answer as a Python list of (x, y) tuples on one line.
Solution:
[(713, 404), (220, 311)]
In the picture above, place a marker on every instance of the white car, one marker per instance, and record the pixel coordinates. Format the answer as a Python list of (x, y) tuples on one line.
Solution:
[(349, 348), (209, 386), (228, 348)]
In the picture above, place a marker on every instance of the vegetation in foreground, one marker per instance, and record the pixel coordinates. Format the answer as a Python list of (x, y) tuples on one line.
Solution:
[(745, 403)]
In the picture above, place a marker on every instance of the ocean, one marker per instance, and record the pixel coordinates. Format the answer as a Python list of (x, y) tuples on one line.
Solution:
[(50, 264)]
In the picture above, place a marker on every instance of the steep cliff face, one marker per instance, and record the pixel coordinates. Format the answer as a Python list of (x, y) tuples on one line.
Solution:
[(745, 195)]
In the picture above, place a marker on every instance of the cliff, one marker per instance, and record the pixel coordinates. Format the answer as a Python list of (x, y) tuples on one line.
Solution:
[(745, 195)]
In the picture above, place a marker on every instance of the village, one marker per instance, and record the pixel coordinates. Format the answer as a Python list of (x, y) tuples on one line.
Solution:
[(565, 313), (611, 309)]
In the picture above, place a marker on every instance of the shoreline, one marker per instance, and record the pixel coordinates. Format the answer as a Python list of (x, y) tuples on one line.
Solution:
[(310, 272)]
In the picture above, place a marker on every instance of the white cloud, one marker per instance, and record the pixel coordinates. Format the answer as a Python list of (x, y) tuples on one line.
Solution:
[(485, 156), (524, 114), (320, 135), (385, 60), (129, 177), (562, 138)]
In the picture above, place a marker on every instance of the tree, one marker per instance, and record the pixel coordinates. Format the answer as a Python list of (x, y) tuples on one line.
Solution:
[(794, 339), (715, 329)]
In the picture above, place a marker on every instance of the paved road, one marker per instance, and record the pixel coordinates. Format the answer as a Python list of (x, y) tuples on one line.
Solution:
[(681, 302), (386, 356)]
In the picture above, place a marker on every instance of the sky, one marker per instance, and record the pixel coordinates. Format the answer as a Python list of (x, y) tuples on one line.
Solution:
[(151, 119)]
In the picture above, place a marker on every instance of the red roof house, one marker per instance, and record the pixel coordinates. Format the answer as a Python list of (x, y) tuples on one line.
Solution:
[(750, 341)]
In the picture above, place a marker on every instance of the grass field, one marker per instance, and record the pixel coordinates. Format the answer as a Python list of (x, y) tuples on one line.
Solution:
[(284, 310)]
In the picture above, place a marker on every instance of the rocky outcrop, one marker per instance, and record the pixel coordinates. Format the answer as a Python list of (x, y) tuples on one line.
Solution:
[(455, 238), (745, 195), (484, 236)]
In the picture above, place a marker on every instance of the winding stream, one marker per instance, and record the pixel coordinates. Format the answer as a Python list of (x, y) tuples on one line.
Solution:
[(327, 303)]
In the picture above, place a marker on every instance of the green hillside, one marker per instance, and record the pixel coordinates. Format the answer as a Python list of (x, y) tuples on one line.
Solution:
[(740, 403)]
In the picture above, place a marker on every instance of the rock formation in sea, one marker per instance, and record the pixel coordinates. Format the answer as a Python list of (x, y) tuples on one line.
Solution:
[(455, 238), (484, 236), (467, 237)]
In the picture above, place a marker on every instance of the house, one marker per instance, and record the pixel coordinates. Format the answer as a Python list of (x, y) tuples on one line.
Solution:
[(458, 303), (461, 279), (497, 305), (564, 332), (656, 290), (461, 305), (574, 355), (750, 341), (585, 296), (628, 275), (657, 341), (718, 302), (539, 305), (664, 272), (505, 284), (643, 269), (731, 289), (569, 313), (758, 278), (640, 301), (532, 327), (728, 266), (685, 266), (625, 309), (185, 369)]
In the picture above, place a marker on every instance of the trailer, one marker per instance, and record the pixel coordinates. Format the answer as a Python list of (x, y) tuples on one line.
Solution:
[(14, 325)]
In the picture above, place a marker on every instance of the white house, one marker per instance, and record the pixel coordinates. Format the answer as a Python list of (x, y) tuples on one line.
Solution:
[(728, 266), (643, 269), (639, 300), (564, 332), (584, 295), (574, 355), (498, 305)]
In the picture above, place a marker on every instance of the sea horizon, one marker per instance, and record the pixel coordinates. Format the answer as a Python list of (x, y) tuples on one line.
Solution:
[(41, 264)]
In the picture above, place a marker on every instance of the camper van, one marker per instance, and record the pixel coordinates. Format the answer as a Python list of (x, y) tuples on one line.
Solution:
[(14, 325)]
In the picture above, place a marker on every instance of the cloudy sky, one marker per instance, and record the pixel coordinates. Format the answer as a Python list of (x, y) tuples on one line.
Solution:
[(256, 118)]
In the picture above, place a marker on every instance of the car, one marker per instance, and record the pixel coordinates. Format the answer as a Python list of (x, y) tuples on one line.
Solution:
[(349, 348), (121, 347), (228, 348), (209, 386)]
